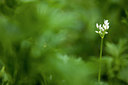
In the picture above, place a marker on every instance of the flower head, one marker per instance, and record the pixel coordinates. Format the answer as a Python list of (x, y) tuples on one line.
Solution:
[(102, 30)]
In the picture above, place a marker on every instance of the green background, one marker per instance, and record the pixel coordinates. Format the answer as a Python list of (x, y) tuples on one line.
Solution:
[(53, 42)]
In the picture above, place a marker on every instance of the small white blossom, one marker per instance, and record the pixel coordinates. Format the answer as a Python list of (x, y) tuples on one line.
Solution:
[(102, 30), (106, 32), (107, 27), (106, 22), (100, 26), (104, 26), (97, 25), (96, 31)]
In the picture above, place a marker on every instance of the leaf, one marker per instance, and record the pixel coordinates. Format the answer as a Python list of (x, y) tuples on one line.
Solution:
[(112, 49), (116, 50)]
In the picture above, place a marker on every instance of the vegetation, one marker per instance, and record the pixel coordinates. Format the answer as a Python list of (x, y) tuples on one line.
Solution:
[(53, 42)]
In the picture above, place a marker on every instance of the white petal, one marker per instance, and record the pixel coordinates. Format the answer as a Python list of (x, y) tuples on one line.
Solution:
[(102, 29), (106, 32), (96, 31), (107, 27), (105, 21), (100, 32), (97, 25), (104, 26)]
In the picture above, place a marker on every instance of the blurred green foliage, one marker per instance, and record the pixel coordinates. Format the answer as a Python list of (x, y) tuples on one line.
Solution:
[(53, 42)]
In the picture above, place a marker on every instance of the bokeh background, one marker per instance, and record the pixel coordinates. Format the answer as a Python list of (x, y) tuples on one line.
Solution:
[(53, 42)]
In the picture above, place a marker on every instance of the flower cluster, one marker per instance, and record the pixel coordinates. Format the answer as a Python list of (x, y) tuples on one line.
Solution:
[(102, 30)]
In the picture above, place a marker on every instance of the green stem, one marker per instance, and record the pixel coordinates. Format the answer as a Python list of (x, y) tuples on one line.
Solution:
[(101, 47)]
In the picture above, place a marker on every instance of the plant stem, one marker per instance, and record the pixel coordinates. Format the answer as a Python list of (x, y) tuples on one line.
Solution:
[(101, 47)]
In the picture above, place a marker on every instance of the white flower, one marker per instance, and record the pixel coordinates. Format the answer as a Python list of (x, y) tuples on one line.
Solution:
[(106, 32), (107, 27), (106, 22), (100, 26), (97, 25), (104, 26), (96, 31), (102, 30)]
